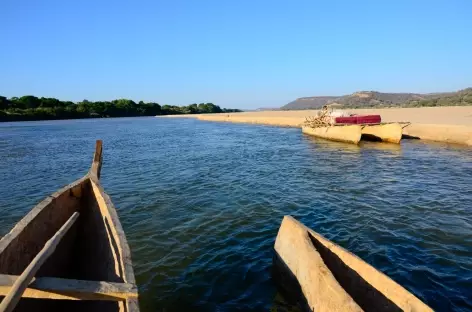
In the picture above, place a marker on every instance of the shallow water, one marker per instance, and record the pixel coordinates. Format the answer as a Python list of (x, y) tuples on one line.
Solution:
[(201, 203)]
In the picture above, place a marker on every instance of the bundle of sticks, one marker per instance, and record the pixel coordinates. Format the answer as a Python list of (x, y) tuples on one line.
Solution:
[(322, 119)]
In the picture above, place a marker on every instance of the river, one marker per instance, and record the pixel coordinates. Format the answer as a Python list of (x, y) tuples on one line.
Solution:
[(201, 203)]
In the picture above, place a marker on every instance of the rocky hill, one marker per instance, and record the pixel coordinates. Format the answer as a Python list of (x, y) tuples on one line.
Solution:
[(365, 99)]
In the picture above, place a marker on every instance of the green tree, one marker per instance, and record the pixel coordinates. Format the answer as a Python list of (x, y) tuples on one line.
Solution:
[(28, 101), (50, 102), (32, 108), (4, 103), (193, 109)]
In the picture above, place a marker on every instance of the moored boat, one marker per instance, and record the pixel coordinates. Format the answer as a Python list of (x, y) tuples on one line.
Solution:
[(338, 125), (322, 276), (343, 133), (69, 253), (386, 132)]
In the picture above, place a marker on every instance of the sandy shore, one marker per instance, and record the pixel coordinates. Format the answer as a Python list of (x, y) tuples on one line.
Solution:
[(443, 124)]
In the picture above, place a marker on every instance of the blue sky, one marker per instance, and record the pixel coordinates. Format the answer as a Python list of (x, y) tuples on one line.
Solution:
[(241, 54)]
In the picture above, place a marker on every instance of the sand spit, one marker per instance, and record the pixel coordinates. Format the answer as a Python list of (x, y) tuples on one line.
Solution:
[(442, 124)]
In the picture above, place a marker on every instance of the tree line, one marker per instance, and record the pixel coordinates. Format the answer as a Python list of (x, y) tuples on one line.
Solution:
[(30, 107)]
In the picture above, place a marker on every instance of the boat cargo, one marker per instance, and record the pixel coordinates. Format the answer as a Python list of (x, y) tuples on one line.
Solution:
[(69, 253), (321, 276), (359, 119)]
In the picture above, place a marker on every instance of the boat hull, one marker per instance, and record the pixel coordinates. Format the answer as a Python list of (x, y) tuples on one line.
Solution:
[(90, 269), (323, 276), (391, 132), (349, 133)]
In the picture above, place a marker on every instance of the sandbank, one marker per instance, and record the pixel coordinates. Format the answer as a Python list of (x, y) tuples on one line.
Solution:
[(442, 124)]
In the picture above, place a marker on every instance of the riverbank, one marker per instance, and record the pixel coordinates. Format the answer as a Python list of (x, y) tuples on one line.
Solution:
[(441, 124)]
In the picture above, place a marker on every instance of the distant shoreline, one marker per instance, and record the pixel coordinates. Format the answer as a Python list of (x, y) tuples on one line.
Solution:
[(91, 118), (449, 124), (65, 119), (32, 108)]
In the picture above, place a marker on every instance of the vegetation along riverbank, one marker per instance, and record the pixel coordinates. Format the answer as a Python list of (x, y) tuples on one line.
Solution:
[(376, 99), (30, 107)]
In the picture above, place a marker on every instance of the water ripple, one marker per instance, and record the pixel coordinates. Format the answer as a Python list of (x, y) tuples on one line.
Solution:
[(201, 204)]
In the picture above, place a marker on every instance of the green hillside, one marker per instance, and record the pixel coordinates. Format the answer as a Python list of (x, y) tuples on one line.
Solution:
[(374, 99)]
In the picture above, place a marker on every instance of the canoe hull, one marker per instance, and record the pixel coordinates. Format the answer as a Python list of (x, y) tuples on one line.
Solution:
[(90, 268), (323, 276), (349, 133), (391, 133)]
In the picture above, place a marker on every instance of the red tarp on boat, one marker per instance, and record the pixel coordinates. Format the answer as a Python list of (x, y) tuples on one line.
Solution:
[(360, 119)]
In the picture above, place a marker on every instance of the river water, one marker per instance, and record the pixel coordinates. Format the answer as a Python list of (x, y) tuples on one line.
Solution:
[(201, 204)]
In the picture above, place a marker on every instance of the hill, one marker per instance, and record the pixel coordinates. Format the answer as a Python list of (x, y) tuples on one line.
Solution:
[(308, 102), (366, 99)]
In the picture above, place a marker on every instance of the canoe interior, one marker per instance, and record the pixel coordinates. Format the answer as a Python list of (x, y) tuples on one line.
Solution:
[(89, 250), (364, 294), (29, 304), (299, 252)]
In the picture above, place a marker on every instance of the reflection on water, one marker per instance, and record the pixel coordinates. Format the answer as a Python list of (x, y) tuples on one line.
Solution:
[(346, 147), (394, 148), (201, 203), (332, 146)]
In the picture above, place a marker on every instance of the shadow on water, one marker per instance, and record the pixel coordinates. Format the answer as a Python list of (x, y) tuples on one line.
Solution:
[(333, 146), (381, 146), (370, 137), (288, 285), (409, 137)]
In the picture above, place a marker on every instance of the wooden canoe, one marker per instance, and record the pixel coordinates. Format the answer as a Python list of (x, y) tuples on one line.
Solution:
[(345, 133), (388, 132), (322, 276), (85, 268)]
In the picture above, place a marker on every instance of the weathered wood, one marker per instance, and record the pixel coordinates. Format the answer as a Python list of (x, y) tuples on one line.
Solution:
[(132, 305), (25, 240), (387, 132), (116, 234), (14, 295), (92, 243), (298, 252), (70, 289), (94, 251), (295, 255), (348, 133), (97, 160)]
